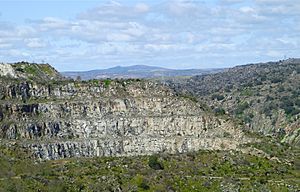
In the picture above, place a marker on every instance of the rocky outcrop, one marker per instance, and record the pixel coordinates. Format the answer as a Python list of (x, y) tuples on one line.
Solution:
[(24, 70), (108, 118), (7, 70)]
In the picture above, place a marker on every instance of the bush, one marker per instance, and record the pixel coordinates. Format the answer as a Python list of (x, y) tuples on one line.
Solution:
[(219, 111), (281, 89), (144, 185), (286, 104), (154, 163), (258, 82), (247, 119), (290, 110), (276, 80), (269, 108), (297, 102), (218, 97), (247, 92), (107, 82), (269, 98), (263, 77), (241, 107), (228, 88), (20, 70)]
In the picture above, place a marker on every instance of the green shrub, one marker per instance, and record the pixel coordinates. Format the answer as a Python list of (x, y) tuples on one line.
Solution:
[(20, 69), (269, 98), (144, 185), (190, 97), (258, 82), (219, 111), (228, 88), (269, 108), (107, 82), (276, 80), (247, 92), (94, 82), (291, 110), (31, 69), (241, 107), (297, 102), (247, 119), (218, 97), (281, 89), (154, 163)]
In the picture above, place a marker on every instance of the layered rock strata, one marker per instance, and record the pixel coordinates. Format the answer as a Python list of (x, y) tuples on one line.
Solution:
[(102, 118)]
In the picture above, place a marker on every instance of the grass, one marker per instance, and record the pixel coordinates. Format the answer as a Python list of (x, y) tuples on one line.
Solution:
[(47, 69), (31, 69)]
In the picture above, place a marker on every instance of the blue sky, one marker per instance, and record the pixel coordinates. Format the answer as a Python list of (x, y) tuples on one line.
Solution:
[(84, 35)]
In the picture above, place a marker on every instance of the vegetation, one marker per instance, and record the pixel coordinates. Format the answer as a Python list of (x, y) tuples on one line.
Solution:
[(194, 171), (217, 96), (265, 97), (190, 97), (241, 108), (35, 72), (31, 69), (154, 163), (107, 82), (219, 111)]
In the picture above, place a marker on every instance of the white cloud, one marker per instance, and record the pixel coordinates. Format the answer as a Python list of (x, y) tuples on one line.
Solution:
[(274, 53), (118, 33), (230, 2), (269, 2), (35, 43), (247, 10), (135, 29), (5, 45), (182, 6), (141, 7), (51, 23), (118, 37)]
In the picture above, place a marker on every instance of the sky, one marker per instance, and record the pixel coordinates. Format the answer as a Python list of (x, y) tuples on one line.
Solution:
[(87, 34)]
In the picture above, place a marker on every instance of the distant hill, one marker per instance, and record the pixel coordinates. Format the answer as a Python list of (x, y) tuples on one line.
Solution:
[(136, 71), (265, 97)]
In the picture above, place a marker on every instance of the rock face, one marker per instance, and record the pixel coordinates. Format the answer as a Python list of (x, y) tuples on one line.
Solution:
[(7, 70), (107, 118)]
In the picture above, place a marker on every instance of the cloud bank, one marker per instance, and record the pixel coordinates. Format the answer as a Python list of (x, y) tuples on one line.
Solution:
[(175, 34)]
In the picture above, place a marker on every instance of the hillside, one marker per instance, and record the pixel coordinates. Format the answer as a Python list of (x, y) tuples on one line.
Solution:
[(128, 135), (107, 118), (29, 71), (265, 96), (136, 71), (193, 171)]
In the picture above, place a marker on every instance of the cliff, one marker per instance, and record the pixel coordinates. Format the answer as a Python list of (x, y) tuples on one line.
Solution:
[(62, 119)]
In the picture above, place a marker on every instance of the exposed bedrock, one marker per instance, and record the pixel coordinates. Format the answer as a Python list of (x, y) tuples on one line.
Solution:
[(124, 118)]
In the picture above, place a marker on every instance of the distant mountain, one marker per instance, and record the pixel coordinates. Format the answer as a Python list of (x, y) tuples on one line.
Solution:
[(136, 71)]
